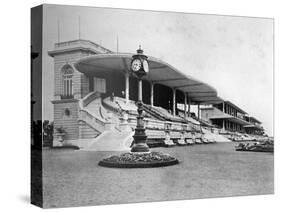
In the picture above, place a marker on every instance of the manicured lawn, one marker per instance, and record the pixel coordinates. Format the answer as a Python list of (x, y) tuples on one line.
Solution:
[(73, 178)]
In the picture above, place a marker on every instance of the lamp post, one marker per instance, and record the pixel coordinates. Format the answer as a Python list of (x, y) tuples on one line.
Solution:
[(140, 155), (140, 68)]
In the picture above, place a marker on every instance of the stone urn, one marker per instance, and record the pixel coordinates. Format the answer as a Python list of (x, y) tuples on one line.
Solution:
[(60, 134), (61, 137)]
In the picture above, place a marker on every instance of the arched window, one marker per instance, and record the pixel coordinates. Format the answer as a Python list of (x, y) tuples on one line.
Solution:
[(67, 74)]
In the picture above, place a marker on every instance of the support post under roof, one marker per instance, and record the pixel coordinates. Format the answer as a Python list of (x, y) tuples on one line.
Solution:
[(174, 101)]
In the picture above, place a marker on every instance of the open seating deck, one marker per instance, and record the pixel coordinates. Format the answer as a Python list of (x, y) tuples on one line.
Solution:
[(162, 128)]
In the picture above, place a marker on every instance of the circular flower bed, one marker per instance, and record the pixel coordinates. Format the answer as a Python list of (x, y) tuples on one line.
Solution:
[(139, 160)]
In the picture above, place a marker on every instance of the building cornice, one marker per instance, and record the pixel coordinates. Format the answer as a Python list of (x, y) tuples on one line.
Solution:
[(68, 50), (78, 45)]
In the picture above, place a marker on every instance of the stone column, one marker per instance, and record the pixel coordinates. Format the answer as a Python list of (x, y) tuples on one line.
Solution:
[(127, 85), (227, 124), (151, 93), (198, 112), (184, 105), (140, 90), (174, 101), (188, 107), (223, 121), (226, 108)]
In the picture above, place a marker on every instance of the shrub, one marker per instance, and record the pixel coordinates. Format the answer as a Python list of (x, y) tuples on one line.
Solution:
[(48, 131), (60, 130)]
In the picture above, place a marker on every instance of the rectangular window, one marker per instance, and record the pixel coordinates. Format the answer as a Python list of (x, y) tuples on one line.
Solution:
[(99, 85), (91, 84), (67, 86)]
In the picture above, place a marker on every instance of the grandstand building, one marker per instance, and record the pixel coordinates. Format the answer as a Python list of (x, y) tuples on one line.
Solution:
[(226, 116), (231, 119), (95, 95), (254, 127)]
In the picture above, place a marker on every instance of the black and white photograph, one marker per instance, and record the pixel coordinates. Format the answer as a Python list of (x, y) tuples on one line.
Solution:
[(131, 106)]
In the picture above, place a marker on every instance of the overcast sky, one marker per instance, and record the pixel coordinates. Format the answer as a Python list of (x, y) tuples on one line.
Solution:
[(232, 54)]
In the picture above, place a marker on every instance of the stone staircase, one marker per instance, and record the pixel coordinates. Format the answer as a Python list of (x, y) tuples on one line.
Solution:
[(112, 140), (214, 136), (101, 126), (91, 122), (108, 124)]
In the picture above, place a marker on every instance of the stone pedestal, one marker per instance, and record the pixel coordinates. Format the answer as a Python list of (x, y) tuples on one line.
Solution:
[(181, 141), (168, 142), (140, 136), (124, 124)]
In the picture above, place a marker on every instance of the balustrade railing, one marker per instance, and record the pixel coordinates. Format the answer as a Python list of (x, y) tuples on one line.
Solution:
[(89, 98)]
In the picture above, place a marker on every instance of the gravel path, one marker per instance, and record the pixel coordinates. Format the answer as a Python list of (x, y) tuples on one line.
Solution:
[(73, 178)]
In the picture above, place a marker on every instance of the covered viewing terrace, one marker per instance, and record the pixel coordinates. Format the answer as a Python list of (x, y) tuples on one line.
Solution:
[(163, 86), (254, 126)]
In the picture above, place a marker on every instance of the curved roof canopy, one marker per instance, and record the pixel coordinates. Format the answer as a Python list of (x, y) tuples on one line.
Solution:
[(254, 126), (236, 107), (159, 72), (230, 118), (253, 119)]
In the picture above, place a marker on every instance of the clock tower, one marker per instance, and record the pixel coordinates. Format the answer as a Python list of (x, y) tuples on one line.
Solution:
[(139, 67), (139, 64)]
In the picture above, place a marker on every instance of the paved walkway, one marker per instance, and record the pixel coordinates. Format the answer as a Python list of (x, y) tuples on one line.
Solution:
[(73, 178)]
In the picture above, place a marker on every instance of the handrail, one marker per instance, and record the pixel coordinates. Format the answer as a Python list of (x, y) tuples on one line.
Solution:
[(101, 114), (82, 109), (94, 117), (159, 114), (90, 97), (152, 112), (120, 108), (106, 105), (94, 121)]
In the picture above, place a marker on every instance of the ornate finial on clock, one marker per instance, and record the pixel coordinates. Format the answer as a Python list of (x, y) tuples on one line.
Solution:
[(140, 51)]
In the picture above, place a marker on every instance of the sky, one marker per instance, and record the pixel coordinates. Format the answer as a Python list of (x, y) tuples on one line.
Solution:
[(232, 54)]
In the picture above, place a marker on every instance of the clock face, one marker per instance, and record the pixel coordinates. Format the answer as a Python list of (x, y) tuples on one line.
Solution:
[(145, 66), (136, 65)]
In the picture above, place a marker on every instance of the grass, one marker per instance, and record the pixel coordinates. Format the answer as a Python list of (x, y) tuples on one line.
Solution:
[(73, 178)]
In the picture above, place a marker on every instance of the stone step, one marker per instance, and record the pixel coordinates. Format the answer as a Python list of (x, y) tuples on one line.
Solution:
[(111, 141)]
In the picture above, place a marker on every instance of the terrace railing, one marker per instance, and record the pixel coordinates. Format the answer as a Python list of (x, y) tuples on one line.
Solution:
[(89, 98)]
